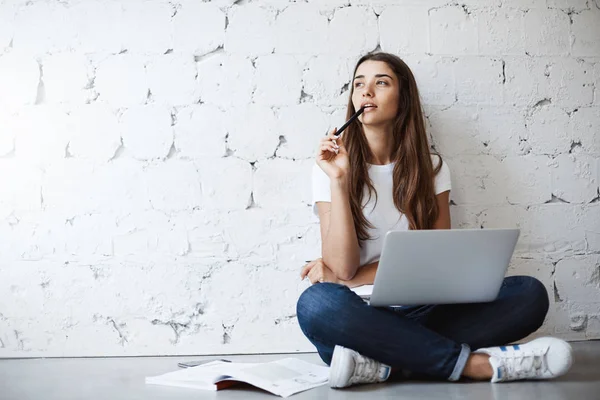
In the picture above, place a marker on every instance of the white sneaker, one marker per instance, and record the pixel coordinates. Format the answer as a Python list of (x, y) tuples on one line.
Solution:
[(348, 367), (542, 358)]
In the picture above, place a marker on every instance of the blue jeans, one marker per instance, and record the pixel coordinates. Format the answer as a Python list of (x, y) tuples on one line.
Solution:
[(428, 340)]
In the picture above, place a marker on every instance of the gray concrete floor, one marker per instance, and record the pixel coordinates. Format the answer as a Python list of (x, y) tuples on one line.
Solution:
[(123, 378)]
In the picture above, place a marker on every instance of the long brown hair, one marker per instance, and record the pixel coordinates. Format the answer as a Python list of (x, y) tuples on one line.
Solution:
[(413, 176)]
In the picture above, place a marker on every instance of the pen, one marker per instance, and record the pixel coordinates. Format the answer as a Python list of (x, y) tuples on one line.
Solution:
[(352, 118)]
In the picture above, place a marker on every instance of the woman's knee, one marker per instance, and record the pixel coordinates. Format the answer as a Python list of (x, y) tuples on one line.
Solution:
[(534, 293), (319, 303), (541, 299)]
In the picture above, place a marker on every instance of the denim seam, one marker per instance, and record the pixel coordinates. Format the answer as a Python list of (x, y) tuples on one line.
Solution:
[(465, 352)]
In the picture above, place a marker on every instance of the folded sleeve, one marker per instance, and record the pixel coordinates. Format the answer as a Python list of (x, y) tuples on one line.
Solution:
[(442, 179), (321, 187)]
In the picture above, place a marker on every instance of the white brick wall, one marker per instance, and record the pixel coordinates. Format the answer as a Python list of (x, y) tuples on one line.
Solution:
[(155, 158)]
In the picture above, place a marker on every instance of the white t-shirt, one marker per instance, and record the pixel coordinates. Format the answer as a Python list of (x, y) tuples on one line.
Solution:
[(384, 215)]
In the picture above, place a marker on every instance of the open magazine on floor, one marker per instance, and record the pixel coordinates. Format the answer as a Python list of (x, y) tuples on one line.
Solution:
[(282, 377)]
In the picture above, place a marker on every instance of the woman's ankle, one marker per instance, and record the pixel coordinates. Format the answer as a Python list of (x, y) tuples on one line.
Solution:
[(478, 367)]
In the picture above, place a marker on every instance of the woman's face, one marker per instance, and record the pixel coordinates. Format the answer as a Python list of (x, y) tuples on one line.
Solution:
[(376, 84)]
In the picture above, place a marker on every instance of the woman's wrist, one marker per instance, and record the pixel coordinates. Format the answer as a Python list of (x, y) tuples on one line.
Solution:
[(340, 181)]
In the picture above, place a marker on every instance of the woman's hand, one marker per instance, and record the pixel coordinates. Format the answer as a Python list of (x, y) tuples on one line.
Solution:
[(318, 272), (332, 156)]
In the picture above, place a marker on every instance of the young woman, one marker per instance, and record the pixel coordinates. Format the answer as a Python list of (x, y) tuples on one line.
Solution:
[(380, 176)]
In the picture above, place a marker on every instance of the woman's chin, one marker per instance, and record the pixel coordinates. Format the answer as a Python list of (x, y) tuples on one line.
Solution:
[(375, 122)]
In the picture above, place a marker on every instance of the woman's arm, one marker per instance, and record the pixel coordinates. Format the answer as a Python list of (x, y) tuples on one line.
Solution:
[(443, 220), (340, 249), (364, 276)]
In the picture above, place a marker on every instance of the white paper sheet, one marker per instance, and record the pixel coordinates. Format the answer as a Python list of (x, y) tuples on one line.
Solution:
[(363, 291)]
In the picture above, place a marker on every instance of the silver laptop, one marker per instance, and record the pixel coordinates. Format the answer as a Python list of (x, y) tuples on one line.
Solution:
[(442, 266)]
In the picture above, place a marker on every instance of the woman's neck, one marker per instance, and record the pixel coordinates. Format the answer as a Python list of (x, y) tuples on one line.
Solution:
[(380, 141)]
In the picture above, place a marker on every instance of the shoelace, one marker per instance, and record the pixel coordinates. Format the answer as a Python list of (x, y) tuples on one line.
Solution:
[(524, 366), (366, 370)]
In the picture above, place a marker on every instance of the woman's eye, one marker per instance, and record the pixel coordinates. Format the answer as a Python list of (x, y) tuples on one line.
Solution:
[(358, 84)]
